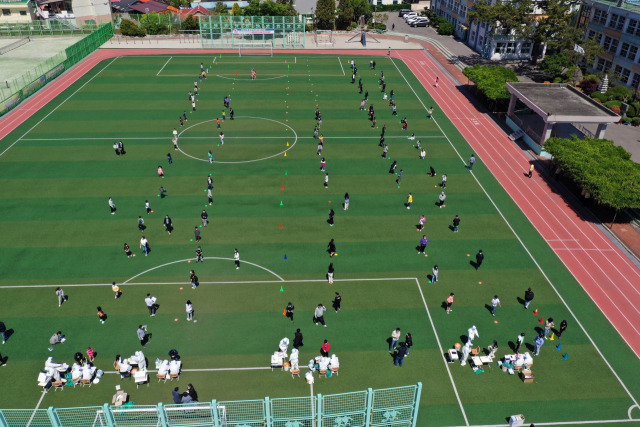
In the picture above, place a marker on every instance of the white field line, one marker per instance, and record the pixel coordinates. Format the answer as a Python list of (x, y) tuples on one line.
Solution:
[(217, 137), (446, 365), (340, 62), (35, 409), (165, 64), (58, 106), (205, 370), (524, 247)]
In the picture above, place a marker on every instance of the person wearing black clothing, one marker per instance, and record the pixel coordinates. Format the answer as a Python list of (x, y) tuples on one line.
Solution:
[(330, 273), (3, 332), (391, 96), (360, 86), (381, 144), (192, 392), (528, 297), (127, 250), (332, 248), (194, 279), (317, 113), (336, 302), (456, 223), (289, 311), (331, 214), (384, 87), (168, 223), (392, 168), (204, 217), (196, 232), (209, 183), (199, 257), (297, 339), (373, 122), (384, 129), (563, 327), (366, 95), (374, 65), (121, 146), (408, 341), (479, 259), (231, 113)]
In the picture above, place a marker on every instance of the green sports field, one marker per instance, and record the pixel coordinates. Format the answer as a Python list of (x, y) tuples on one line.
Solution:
[(269, 202)]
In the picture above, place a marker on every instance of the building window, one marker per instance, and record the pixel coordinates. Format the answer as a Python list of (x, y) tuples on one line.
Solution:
[(610, 44), (526, 48), (617, 22), (585, 13), (603, 65), (628, 51), (600, 17), (500, 47), (23, 13), (622, 74), (511, 48), (636, 80), (597, 37), (473, 36), (6, 12)]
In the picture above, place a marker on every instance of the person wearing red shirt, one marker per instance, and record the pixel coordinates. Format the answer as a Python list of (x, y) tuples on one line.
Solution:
[(324, 350)]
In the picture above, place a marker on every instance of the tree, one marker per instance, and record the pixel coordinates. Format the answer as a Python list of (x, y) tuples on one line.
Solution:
[(220, 8), (270, 8), (445, 28), (235, 10), (345, 14), (325, 14), (490, 80), (128, 28), (179, 3), (589, 86), (361, 8), (547, 21), (555, 64), (190, 23), (601, 168), (153, 24)]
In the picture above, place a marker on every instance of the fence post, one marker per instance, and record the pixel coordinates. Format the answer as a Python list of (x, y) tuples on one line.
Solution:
[(108, 416), (3, 421), (367, 418), (55, 422), (319, 410), (267, 410), (416, 405), (216, 416), (162, 415)]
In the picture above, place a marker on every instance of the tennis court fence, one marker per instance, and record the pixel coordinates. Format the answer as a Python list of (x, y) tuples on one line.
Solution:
[(391, 407), (13, 92)]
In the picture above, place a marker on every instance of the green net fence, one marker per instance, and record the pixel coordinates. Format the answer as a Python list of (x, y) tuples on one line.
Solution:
[(389, 407), (31, 81), (51, 27)]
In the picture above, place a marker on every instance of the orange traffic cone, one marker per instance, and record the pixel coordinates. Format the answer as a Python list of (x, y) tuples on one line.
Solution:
[(282, 188), (281, 227), (541, 320), (535, 312)]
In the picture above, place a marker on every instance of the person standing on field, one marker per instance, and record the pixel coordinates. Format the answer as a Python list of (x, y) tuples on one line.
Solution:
[(449, 303), (196, 233), (199, 257), (336, 302), (494, 303), (189, 308), (168, 224), (563, 327), (434, 274), (236, 258), (332, 248), (60, 295), (346, 201), (319, 314), (519, 341), (409, 201), (472, 161), (151, 305), (479, 259), (456, 223), (204, 217), (112, 205), (117, 148), (528, 297), (289, 311), (423, 244), (548, 324), (330, 274), (395, 336)]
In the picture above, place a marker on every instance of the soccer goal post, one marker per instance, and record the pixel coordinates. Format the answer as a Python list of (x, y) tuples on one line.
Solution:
[(256, 48)]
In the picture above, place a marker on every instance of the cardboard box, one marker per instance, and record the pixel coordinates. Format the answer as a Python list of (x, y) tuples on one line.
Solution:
[(119, 398), (527, 376), (516, 420)]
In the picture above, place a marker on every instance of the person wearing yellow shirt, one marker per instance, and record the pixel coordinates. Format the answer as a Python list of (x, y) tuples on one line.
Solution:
[(409, 201)]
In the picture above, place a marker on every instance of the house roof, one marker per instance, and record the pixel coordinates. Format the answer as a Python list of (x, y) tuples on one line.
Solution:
[(122, 6), (194, 11), (212, 4), (150, 6)]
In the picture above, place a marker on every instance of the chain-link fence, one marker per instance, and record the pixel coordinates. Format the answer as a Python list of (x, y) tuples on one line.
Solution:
[(388, 407), (222, 31), (51, 27), (19, 89)]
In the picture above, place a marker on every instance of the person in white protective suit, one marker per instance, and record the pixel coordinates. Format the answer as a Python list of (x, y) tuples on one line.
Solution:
[(53, 374), (51, 364), (472, 333), (293, 359), (466, 350), (88, 372), (334, 362), (125, 367), (138, 358), (163, 369), (323, 363), (174, 367), (284, 344), (312, 365), (76, 372)]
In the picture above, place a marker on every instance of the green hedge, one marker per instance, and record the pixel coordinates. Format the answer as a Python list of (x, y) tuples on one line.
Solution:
[(392, 7), (612, 103), (490, 80), (603, 169), (601, 96)]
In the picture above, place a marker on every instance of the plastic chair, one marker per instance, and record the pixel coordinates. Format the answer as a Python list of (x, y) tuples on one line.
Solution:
[(323, 372), (161, 377), (177, 376), (85, 382), (335, 370), (76, 382), (295, 372), (58, 385)]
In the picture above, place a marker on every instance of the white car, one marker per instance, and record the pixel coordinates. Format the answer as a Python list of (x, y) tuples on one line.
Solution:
[(414, 19), (406, 15)]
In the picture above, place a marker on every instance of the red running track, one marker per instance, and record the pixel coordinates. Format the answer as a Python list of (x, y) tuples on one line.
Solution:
[(604, 272), (600, 267)]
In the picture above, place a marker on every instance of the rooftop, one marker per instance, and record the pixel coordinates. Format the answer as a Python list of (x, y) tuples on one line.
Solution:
[(561, 103), (632, 6)]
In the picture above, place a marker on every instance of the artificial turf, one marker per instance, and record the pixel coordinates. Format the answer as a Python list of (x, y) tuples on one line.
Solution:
[(57, 230)]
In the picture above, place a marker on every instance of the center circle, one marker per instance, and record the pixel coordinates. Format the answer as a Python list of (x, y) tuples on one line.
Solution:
[(216, 141)]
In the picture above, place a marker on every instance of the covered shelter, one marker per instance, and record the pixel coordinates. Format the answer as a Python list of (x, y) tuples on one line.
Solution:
[(553, 109)]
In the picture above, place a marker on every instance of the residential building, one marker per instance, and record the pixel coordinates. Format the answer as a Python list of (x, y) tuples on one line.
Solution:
[(616, 26), (15, 10)]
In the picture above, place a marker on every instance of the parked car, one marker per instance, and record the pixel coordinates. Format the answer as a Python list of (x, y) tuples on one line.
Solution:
[(409, 16), (403, 11), (420, 23)]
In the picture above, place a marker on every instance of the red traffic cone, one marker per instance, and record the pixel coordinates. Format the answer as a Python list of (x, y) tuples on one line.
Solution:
[(541, 320), (535, 312), (282, 188), (281, 227)]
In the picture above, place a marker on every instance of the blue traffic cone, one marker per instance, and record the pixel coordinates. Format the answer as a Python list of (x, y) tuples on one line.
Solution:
[(566, 356), (285, 256), (558, 346)]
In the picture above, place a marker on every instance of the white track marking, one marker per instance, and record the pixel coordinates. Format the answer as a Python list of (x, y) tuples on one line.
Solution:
[(259, 368), (242, 161), (340, 62), (258, 79), (525, 248), (165, 64), (446, 365), (58, 106), (191, 259)]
